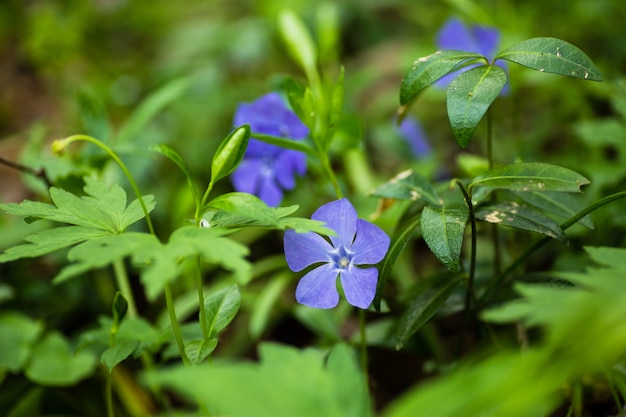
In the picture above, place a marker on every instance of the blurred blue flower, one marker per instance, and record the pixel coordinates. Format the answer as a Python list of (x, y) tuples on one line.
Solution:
[(358, 242), (266, 170), (479, 39), (412, 132)]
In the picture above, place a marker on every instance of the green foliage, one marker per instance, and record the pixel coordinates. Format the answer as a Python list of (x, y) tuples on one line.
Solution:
[(303, 383), (408, 185), (230, 153), (443, 229), (19, 335), (520, 217)]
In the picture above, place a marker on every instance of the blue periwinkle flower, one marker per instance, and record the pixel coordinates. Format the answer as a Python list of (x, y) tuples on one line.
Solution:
[(266, 170), (476, 38), (357, 243), (412, 132)]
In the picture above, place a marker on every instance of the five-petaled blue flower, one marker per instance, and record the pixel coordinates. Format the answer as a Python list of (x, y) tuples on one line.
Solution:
[(266, 170), (476, 38), (358, 242), (412, 132)]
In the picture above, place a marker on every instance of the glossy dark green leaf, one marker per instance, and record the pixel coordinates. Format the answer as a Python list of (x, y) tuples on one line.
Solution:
[(531, 176), (421, 309), (443, 229), (520, 217), (469, 96), (169, 152), (552, 55), (428, 69), (564, 205), (408, 185), (400, 239)]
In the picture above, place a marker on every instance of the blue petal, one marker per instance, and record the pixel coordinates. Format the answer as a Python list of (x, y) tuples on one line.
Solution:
[(370, 245), (287, 165), (318, 288), (304, 249), (340, 216), (246, 177), (455, 35), (359, 286), (414, 135), (269, 191), (269, 115), (486, 39)]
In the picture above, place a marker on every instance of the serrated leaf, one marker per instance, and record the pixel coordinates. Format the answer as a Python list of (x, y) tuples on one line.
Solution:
[(400, 239), (169, 152), (421, 309), (53, 363), (116, 354), (520, 217), (234, 210), (531, 176), (50, 240), (408, 185), (428, 69), (150, 107), (198, 350), (554, 56), (469, 96), (161, 262), (443, 229), (221, 308), (19, 333), (564, 205), (103, 251), (303, 383)]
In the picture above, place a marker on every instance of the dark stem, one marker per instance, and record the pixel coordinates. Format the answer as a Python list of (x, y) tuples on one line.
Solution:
[(37, 173), (472, 271)]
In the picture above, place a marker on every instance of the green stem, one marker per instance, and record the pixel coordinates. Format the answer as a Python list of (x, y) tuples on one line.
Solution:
[(323, 157), (109, 393), (538, 244), (121, 277), (174, 321), (203, 321), (472, 271), (201, 204), (60, 145)]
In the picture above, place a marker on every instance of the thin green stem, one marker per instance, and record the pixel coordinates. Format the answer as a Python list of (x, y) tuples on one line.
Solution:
[(123, 283), (109, 393), (174, 321), (200, 205), (538, 244), (472, 270), (323, 157), (203, 321), (58, 146)]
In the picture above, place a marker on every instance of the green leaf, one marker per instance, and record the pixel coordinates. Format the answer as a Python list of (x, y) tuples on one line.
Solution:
[(552, 55), (234, 210), (198, 350), (285, 143), (265, 301), (469, 96), (408, 185), (132, 331), (103, 251), (421, 309), (119, 309), (298, 41), (49, 240), (564, 205), (608, 256), (230, 153), (117, 353), (301, 101), (336, 107), (53, 364), (286, 382), (94, 117), (400, 239), (443, 229), (161, 262), (169, 152), (531, 176), (522, 217), (428, 69), (221, 308), (150, 107), (19, 333)]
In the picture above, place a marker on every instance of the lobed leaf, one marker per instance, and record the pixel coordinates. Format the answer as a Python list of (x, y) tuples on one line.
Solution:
[(531, 176), (421, 309), (408, 185), (552, 55), (522, 217), (469, 96), (443, 229), (428, 69)]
